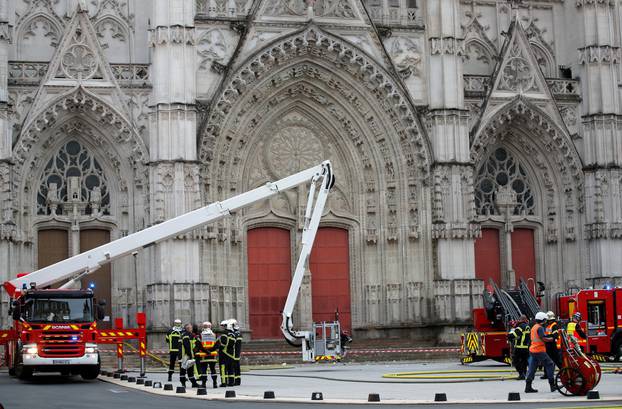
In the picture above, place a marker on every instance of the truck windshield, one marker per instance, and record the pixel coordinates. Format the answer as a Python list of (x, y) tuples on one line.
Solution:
[(59, 310)]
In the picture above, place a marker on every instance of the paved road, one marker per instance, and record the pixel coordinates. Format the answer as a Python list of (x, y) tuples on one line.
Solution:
[(72, 393)]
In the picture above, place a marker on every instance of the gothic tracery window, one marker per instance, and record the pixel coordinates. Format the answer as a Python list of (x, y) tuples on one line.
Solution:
[(501, 169), (73, 159)]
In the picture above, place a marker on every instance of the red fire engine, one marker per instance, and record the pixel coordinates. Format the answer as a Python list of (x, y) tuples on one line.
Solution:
[(601, 312), (55, 330)]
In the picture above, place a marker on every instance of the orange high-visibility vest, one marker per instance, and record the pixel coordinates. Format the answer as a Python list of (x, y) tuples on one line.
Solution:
[(537, 344)]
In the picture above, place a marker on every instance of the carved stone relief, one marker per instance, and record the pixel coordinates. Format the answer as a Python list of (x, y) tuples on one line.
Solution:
[(480, 52), (321, 8), (211, 47), (406, 55)]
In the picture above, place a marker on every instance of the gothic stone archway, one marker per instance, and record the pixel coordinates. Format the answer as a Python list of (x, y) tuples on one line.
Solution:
[(349, 110)]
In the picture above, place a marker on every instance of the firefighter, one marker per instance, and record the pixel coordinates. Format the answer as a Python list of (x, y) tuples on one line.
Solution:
[(574, 328), (173, 340), (187, 357), (519, 339), (237, 352), (538, 355), (207, 356), (552, 348), (225, 345)]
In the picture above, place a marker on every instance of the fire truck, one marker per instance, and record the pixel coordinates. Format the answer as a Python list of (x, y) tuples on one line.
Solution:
[(55, 329), (601, 311), (601, 320), (488, 338)]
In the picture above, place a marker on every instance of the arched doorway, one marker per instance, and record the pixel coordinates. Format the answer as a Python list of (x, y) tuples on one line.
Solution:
[(505, 200), (330, 276), (269, 278)]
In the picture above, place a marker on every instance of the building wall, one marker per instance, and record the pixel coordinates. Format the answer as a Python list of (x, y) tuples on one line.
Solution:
[(425, 108)]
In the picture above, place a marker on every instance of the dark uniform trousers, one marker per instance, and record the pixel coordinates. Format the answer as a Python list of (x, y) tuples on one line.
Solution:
[(203, 365)]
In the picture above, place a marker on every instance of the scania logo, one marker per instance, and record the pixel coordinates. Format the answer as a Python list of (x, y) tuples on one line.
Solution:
[(61, 327)]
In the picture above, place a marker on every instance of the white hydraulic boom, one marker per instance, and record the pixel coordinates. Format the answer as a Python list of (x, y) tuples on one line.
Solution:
[(313, 213), (77, 266)]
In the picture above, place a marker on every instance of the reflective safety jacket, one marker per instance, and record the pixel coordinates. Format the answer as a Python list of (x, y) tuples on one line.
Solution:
[(187, 344), (577, 332), (225, 345), (520, 336), (173, 339), (206, 352), (552, 330), (537, 343), (237, 348)]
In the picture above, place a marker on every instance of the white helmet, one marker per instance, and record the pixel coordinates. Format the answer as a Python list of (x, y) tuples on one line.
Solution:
[(224, 323), (234, 324), (207, 324), (541, 316), (550, 315), (177, 322)]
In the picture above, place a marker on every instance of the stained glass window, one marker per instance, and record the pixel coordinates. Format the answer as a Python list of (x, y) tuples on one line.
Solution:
[(73, 159), (499, 170)]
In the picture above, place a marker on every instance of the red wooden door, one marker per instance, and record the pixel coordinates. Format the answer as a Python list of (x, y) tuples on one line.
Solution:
[(487, 257), (330, 276), (102, 278), (269, 278), (523, 254)]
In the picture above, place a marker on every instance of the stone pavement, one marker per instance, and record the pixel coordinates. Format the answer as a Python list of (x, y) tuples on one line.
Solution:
[(354, 382)]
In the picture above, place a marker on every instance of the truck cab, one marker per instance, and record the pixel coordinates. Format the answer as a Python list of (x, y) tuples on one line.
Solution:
[(55, 332)]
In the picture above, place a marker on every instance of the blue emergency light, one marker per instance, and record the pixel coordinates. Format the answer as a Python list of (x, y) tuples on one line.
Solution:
[(91, 285)]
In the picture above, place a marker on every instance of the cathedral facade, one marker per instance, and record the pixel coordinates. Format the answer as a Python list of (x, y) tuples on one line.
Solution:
[(472, 140)]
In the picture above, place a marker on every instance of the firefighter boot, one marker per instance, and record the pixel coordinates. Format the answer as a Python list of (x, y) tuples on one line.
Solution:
[(552, 385), (529, 388), (193, 383), (170, 377), (214, 382)]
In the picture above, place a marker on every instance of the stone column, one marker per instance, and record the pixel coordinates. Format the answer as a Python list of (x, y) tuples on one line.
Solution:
[(453, 209), (7, 226), (599, 57), (506, 202), (173, 158)]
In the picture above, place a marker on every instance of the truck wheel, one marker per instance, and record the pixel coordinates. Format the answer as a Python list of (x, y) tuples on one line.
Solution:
[(617, 350), (23, 373), (12, 371), (90, 373)]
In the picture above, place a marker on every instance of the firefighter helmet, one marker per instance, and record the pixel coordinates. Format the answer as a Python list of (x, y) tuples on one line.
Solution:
[(550, 315), (577, 316), (541, 316)]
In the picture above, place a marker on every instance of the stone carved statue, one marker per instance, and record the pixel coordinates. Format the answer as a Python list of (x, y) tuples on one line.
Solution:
[(95, 200), (52, 198)]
